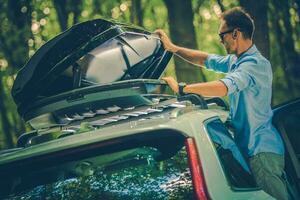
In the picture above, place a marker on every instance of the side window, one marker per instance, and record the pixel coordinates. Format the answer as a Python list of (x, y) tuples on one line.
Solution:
[(234, 165)]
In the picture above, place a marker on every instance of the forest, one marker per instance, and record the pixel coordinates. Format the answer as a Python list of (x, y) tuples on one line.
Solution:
[(25, 25)]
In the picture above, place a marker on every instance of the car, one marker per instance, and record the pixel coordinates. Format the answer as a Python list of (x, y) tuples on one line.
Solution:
[(105, 126)]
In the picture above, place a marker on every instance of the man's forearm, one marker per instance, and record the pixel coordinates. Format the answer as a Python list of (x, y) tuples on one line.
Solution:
[(194, 56), (209, 89)]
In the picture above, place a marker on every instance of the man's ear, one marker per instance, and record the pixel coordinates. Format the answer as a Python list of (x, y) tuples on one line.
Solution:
[(234, 34)]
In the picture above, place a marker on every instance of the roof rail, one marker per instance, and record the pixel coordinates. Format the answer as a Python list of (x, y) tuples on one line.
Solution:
[(23, 139), (5, 151), (204, 102), (195, 99), (218, 101)]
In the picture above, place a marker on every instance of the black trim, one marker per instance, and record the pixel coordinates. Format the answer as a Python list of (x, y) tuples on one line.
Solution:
[(181, 87)]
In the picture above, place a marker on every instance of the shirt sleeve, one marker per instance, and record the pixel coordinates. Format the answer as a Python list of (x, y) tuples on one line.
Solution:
[(240, 79), (218, 63)]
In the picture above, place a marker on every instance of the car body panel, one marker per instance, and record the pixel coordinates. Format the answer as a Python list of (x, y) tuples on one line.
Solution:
[(189, 124)]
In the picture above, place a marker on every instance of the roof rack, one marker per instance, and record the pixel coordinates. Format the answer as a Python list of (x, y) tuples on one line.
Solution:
[(110, 115)]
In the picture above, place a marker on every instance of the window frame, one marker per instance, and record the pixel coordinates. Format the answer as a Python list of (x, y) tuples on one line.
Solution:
[(224, 171)]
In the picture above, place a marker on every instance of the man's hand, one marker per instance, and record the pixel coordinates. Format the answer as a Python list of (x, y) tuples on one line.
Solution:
[(208, 89), (172, 83), (191, 55), (168, 45)]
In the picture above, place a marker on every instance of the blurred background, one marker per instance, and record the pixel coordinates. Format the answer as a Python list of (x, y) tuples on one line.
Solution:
[(26, 25)]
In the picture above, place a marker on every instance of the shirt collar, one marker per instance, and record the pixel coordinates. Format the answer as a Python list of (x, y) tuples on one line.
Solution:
[(236, 60), (249, 51)]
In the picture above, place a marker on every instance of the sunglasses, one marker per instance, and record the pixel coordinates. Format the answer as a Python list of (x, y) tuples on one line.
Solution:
[(222, 34)]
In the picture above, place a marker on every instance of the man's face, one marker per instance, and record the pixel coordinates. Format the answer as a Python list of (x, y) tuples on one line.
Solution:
[(226, 38)]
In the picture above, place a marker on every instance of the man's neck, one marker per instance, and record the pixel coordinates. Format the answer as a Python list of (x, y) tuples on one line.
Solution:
[(247, 44)]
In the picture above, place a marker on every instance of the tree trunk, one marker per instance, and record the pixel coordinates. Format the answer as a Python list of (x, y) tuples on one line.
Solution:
[(283, 49), (220, 3), (182, 33), (62, 13), (259, 12), (63, 10), (293, 56), (283, 57), (6, 126), (286, 42), (76, 7), (136, 16), (14, 35), (298, 6), (97, 7)]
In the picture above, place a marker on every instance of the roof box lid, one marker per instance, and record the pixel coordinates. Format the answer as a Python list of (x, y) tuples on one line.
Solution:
[(90, 53)]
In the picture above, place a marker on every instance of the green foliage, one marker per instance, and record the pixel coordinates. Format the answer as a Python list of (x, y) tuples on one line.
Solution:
[(26, 25)]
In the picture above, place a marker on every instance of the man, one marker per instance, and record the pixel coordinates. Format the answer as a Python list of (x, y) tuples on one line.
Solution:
[(248, 83)]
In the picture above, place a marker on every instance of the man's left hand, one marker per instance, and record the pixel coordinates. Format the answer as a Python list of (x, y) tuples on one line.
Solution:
[(172, 83)]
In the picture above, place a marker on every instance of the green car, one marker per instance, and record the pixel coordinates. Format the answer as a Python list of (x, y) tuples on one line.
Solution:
[(106, 128)]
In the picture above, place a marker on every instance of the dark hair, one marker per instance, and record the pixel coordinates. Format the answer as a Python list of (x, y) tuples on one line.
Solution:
[(240, 19)]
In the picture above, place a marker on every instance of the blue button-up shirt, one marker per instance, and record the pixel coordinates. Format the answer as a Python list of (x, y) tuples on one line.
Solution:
[(249, 83)]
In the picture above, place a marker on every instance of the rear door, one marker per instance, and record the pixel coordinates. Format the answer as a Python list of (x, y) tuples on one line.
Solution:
[(287, 121)]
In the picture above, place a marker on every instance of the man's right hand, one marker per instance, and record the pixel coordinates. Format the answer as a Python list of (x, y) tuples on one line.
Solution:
[(190, 55), (168, 45)]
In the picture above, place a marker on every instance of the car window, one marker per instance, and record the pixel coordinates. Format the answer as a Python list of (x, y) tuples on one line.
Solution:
[(234, 165), (138, 172)]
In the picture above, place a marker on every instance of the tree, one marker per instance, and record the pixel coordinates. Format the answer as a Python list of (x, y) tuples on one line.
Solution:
[(64, 8), (259, 11), (284, 43), (180, 15), (15, 33), (136, 16)]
